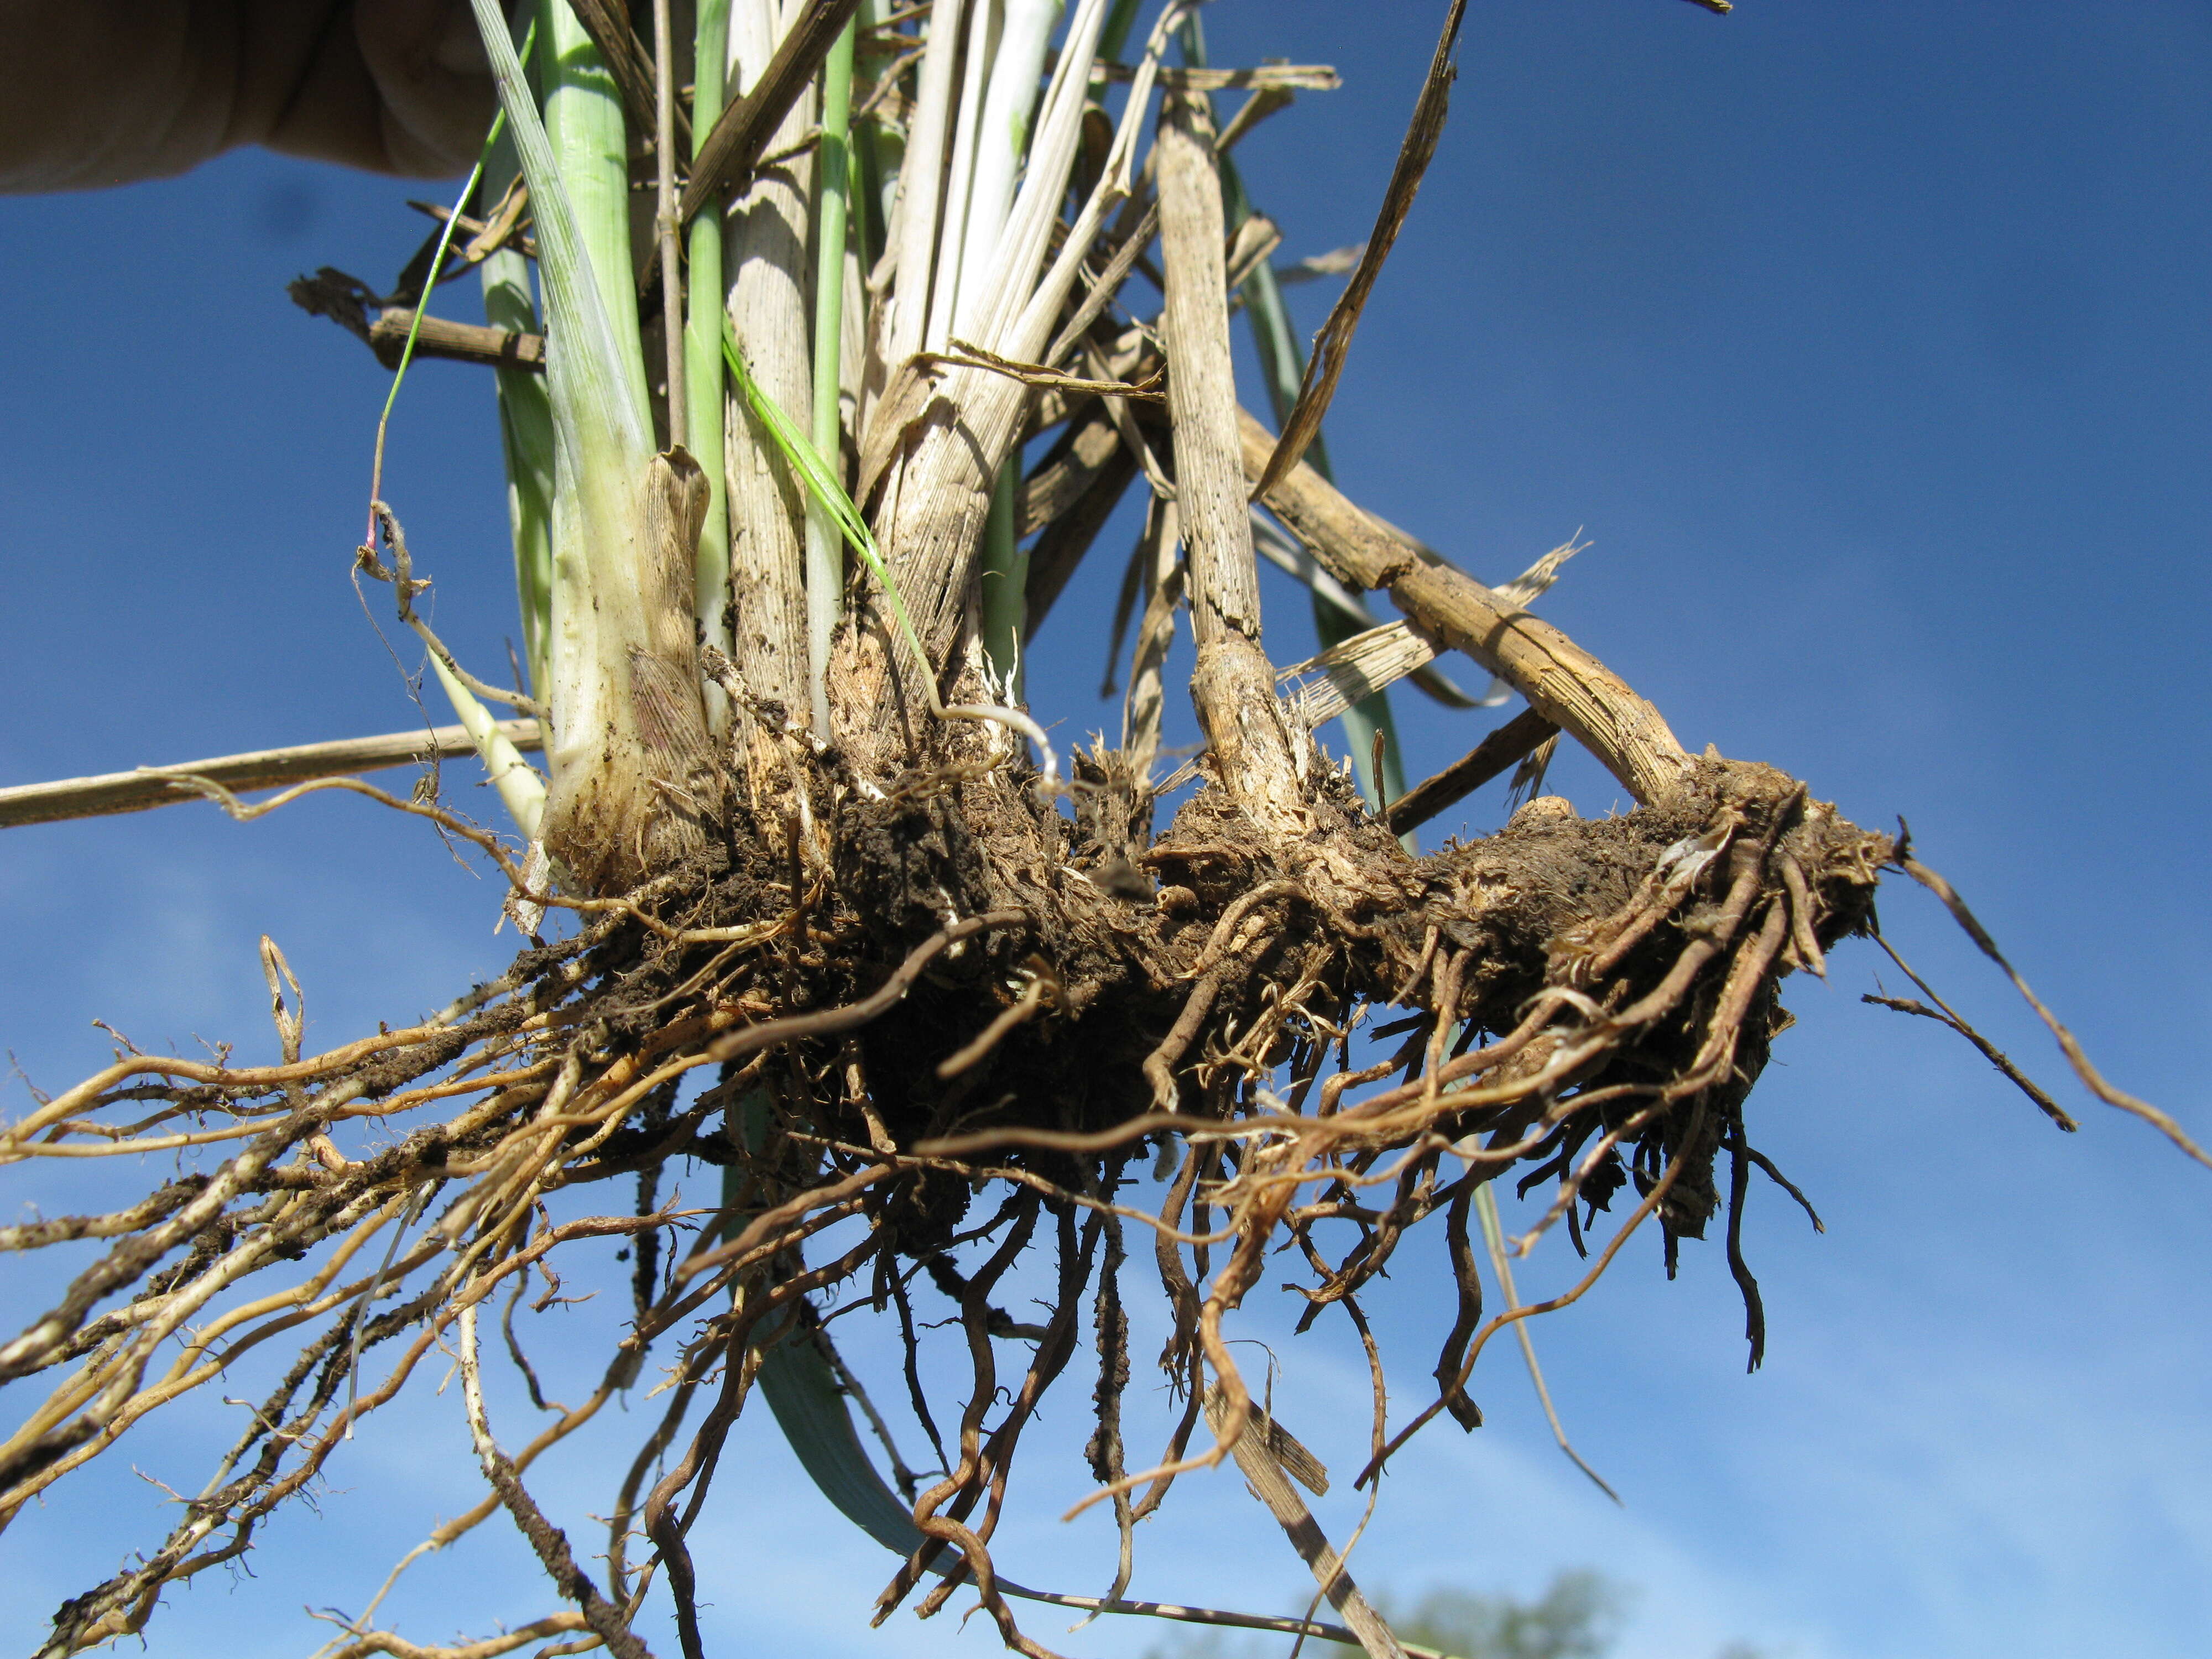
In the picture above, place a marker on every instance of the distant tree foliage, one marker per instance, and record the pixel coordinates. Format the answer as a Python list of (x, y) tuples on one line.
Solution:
[(1576, 1618)]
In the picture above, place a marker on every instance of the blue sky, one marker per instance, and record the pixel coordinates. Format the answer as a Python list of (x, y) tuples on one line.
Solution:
[(1870, 348)]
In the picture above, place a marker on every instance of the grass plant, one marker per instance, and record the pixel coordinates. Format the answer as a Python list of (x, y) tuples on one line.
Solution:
[(823, 910)]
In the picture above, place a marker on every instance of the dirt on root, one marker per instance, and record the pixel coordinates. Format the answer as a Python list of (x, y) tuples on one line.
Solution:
[(1283, 942)]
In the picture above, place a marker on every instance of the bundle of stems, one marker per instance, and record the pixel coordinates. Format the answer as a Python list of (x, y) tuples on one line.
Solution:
[(618, 547)]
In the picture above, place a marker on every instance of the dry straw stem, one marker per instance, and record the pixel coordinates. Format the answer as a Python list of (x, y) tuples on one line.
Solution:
[(1232, 685), (149, 787), (1264, 77), (1326, 364), (1273, 1488), (1145, 706), (1353, 669), (440, 337), (1562, 682), (1507, 746), (1065, 501)]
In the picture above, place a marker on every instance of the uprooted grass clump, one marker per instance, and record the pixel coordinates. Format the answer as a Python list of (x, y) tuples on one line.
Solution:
[(827, 930)]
